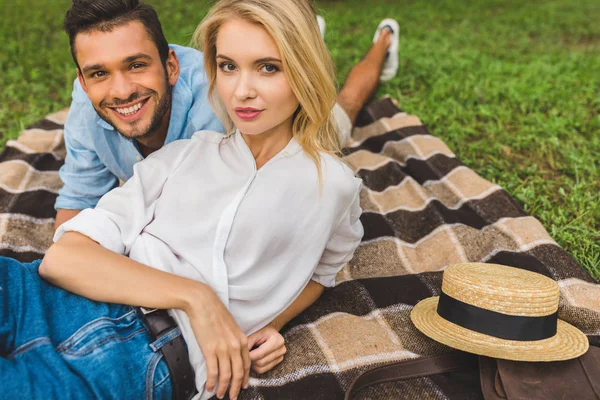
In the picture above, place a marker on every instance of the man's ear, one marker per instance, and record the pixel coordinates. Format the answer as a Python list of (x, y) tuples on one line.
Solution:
[(81, 81), (172, 66)]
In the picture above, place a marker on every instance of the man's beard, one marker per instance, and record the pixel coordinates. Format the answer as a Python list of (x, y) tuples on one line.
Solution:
[(161, 110)]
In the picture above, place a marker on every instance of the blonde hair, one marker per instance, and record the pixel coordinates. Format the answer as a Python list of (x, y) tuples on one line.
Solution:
[(306, 63)]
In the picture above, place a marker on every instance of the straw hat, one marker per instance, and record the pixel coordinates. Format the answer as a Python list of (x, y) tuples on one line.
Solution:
[(499, 312)]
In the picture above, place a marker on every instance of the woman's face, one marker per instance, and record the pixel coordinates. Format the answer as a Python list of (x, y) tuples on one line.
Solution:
[(250, 79)]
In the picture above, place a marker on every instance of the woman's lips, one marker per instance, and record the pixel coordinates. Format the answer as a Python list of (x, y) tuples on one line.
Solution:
[(247, 114)]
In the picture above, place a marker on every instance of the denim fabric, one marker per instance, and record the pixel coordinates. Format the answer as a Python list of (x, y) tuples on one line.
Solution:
[(98, 156), (58, 345)]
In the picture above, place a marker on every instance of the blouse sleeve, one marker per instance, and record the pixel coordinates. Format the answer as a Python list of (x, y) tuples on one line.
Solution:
[(122, 214), (341, 245)]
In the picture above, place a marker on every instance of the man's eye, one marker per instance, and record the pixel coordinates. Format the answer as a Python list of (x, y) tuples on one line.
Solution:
[(98, 74), (137, 66), (269, 68), (227, 67)]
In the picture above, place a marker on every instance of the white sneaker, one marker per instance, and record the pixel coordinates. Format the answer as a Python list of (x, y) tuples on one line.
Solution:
[(390, 66), (321, 22)]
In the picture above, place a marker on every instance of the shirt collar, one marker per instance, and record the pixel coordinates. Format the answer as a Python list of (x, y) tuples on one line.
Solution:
[(292, 148), (289, 150), (103, 123)]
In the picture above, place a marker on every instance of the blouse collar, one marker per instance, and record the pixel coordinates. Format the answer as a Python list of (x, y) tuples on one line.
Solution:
[(289, 150)]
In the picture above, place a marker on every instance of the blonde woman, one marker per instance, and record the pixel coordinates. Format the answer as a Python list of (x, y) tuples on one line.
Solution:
[(232, 235)]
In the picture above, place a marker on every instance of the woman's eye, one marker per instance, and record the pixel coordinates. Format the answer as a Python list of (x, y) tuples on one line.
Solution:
[(269, 68), (227, 67)]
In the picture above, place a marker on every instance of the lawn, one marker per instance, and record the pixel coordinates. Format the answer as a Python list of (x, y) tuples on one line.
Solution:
[(513, 87)]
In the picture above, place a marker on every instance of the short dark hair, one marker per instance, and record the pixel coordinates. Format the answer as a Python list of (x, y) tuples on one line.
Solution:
[(105, 15)]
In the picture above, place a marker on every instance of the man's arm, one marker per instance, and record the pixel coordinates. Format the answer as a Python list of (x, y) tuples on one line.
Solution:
[(85, 177), (63, 215)]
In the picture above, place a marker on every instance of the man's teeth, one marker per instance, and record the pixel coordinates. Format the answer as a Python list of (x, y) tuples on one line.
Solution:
[(129, 110)]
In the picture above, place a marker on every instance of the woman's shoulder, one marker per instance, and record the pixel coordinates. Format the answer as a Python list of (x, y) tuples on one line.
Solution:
[(200, 141), (177, 150), (337, 175), (171, 150), (209, 137)]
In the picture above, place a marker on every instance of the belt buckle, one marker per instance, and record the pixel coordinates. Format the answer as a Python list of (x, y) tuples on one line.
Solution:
[(147, 311)]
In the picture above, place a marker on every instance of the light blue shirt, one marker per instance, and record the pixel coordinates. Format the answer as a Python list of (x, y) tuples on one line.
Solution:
[(98, 156)]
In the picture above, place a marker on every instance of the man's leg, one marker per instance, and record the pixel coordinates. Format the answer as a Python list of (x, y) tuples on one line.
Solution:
[(363, 79)]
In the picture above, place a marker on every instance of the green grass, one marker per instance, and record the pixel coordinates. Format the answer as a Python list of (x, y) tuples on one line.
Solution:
[(513, 87)]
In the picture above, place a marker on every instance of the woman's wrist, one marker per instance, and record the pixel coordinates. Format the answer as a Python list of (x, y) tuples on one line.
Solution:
[(196, 298), (276, 324)]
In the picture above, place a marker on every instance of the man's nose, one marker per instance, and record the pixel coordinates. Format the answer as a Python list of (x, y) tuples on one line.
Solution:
[(121, 87)]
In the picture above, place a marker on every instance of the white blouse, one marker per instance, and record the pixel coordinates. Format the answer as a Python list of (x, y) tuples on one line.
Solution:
[(199, 208)]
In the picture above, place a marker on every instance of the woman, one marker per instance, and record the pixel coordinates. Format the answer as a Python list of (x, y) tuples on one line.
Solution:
[(233, 235)]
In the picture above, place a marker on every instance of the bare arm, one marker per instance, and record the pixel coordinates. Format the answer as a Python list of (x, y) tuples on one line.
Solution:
[(267, 344), (309, 295), (63, 216), (80, 265)]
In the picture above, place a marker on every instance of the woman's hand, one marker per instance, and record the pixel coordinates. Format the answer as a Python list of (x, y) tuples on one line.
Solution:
[(269, 348), (223, 344), (80, 265)]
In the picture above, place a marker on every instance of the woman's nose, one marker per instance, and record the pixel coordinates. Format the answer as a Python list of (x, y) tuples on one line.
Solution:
[(245, 87)]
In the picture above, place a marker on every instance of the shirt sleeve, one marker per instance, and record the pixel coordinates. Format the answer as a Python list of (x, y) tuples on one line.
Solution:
[(122, 214), (341, 245), (85, 178)]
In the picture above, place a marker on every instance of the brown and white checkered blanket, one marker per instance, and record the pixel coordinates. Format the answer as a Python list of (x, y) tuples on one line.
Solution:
[(423, 210)]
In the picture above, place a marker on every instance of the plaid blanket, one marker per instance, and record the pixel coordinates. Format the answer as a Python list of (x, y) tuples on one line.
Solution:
[(423, 211)]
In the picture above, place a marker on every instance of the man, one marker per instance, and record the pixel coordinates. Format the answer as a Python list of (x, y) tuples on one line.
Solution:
[(134, 93)]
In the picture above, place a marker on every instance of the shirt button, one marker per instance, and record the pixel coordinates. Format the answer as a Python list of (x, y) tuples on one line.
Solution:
[(285, 153), (138, 159)]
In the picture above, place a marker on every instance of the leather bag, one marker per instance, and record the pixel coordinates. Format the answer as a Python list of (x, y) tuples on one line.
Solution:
[(578, 378)]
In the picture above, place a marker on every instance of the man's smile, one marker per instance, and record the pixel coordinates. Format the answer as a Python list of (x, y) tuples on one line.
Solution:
[(130, 111)]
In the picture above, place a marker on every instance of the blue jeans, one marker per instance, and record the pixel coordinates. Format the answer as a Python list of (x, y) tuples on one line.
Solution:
[(58, 345)]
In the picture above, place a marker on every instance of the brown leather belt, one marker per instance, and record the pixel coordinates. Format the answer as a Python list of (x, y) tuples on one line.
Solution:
[(183, 384)]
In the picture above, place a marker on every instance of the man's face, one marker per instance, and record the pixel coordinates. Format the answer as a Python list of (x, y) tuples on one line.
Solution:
[(123, 76)]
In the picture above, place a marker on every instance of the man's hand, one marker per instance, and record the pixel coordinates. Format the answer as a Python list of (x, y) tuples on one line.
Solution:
[(269, 348), (223, 344)]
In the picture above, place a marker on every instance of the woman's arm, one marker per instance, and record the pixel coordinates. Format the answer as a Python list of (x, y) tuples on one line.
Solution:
[(268, 343), (309, 295), (63, 215), (80, 265), (339, 250)]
